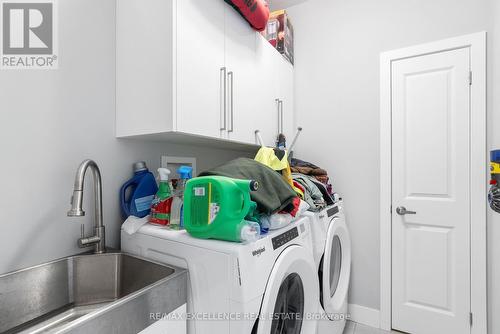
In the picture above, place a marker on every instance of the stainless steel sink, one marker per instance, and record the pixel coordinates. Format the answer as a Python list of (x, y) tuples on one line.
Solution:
[(102, 293)]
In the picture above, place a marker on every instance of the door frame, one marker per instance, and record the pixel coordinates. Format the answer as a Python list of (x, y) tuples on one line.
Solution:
[(478, 172)]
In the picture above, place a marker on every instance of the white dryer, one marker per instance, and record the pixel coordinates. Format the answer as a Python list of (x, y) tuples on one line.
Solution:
[(266, 287), (332, 255)]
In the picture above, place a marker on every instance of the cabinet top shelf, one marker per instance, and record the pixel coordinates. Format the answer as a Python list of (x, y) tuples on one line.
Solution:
[(197, 140)]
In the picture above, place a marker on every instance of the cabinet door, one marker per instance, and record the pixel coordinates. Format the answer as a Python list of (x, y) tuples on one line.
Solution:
[(241, 62), (266, 76), (200, 60), (144, 71)]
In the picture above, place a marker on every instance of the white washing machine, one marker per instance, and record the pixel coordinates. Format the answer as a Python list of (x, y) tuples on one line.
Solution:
[(332, 256), (240, 288)]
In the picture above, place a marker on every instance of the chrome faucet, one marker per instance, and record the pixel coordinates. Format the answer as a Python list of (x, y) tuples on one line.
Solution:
[(98, 239)]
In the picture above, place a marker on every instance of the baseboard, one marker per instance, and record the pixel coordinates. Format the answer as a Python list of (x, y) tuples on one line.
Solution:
[(365, 315)]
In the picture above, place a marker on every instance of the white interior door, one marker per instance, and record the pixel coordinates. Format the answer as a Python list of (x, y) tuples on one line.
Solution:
[(431, 170)]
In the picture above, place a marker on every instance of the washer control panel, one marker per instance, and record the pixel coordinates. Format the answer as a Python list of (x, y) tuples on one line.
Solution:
[(332, 211), (284, 238)]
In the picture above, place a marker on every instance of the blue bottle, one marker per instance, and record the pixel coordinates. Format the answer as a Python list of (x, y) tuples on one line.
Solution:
[(137, 193)]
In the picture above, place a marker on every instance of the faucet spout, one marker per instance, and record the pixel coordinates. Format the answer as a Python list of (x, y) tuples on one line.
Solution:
[(98, 240)]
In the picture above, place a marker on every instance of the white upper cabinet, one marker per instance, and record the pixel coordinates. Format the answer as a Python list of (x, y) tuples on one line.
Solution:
[(267, 90), (241, 63), (275, 92), (200, 62), (196, 68), (145, 75), (286, 95)]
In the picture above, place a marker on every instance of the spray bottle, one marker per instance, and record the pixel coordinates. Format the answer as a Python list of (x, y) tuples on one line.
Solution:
[(161, 206), (177, 221)]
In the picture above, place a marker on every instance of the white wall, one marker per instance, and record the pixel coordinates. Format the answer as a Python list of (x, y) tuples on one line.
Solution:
[(337, 48), (49, 122), (280, 4)]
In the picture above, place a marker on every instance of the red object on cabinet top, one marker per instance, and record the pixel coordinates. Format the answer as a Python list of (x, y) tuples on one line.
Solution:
[(256, 12)]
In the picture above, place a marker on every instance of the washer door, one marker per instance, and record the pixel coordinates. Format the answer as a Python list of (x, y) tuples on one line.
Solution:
[(291, 296), (335, 269)]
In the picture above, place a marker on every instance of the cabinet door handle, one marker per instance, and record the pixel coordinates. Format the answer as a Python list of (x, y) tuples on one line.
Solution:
[(278, 102), (230, 76), (281, 115), (223, 98)]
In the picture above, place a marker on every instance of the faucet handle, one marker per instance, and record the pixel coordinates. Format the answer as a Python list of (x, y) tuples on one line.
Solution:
[(82, 230)]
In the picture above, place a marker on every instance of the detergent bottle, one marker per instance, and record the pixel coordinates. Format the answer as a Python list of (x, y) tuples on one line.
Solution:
[(161, 205), (215, 207), (137, 193), (176, 216)]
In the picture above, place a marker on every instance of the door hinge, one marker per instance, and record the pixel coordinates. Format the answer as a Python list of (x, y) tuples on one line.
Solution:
[(390, 209), (470, 78), (470, 319)]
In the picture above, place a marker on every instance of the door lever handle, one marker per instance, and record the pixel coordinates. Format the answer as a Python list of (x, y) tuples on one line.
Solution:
[(401, 210)]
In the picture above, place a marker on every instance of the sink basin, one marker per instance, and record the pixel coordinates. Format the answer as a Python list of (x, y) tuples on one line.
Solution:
[(103, 293)]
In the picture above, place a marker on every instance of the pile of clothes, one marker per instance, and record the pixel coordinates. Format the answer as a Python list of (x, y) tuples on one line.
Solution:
[(314, 183), (274, 193), (286, 190), (309, 182)]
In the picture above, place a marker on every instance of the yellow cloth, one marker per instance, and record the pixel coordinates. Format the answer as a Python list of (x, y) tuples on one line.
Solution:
[(299, 192), (267, 157)]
